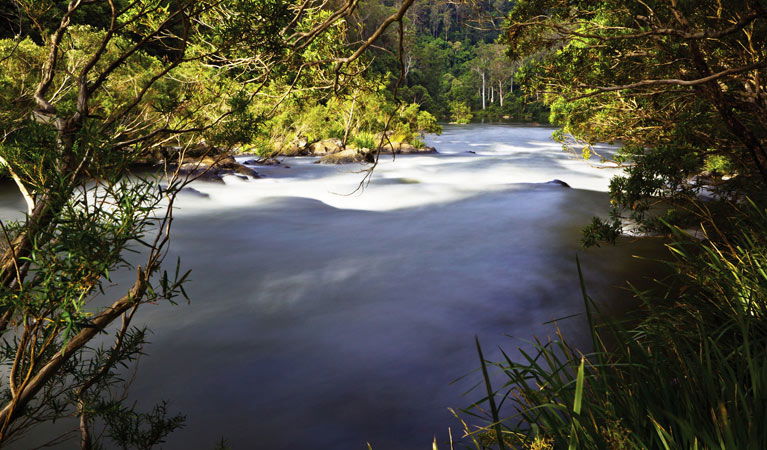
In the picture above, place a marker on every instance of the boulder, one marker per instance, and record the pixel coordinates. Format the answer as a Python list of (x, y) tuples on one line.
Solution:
[(159, 155), (326, 147), (299, 147), (350, 155), (406, 148)]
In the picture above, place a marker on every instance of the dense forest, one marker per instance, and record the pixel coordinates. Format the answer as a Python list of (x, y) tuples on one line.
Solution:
[(96, 94), (455, 67)]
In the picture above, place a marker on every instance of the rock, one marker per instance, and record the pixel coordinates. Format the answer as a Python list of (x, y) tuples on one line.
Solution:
[(403, 148), (299, 147), (201, 149), (210, 168), (471, 151), (326, 147), (408, 149), (193, 192), (268, 162), (246, 171), (559, 183), (159, 155), (350, 155)]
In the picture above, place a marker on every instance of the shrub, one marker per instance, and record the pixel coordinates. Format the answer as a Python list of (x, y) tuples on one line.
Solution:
[(460, 112), (364, 140)]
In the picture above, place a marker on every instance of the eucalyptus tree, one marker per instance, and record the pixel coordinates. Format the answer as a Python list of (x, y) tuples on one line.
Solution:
[(680, 84), (87, 89)]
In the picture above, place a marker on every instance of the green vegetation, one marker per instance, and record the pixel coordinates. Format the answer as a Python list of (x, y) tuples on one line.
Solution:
[(680, 86), (460, 112), (689, 106), (452, 57)]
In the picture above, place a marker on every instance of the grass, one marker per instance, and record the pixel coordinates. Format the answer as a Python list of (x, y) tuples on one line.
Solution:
[(691, 374)]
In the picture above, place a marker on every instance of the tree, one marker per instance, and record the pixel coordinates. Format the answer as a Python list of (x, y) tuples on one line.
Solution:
[(90, 87), (679, 84)]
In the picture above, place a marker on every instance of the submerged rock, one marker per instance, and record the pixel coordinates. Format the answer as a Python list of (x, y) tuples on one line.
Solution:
[(558, 182), (266, 161)]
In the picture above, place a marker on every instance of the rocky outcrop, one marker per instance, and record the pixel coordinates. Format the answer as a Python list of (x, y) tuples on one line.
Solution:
[(405, 148), (333, 150), (298, 147), (347, 156)]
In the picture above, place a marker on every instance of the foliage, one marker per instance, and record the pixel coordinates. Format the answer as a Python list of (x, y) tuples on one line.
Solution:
[(449, 49), (460, 112), (365, 140), (346, 117), (678, 84)]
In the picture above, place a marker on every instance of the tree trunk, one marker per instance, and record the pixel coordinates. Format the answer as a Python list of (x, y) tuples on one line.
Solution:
[(484, 92), (500, 92), (349, 121)]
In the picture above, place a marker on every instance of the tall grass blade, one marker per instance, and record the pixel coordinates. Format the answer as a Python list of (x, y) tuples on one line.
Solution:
[(579, 382), (490, 396)]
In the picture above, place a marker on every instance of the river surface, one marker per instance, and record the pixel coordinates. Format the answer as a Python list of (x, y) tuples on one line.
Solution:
[(324, 318)]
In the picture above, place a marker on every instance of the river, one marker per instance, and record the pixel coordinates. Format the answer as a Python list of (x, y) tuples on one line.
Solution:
[(323, 318)]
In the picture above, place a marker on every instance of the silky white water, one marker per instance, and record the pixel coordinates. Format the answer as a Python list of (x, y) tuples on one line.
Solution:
[(325, 317)]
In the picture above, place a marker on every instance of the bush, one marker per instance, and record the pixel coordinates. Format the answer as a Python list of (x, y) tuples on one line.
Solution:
[(460, 112), (364, 140)]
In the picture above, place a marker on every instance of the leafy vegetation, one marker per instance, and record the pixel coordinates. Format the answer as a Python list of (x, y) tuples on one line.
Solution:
[(678, 85), (452, 57)]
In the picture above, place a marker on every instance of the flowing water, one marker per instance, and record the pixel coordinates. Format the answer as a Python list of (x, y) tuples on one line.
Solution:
[(324, 318)]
